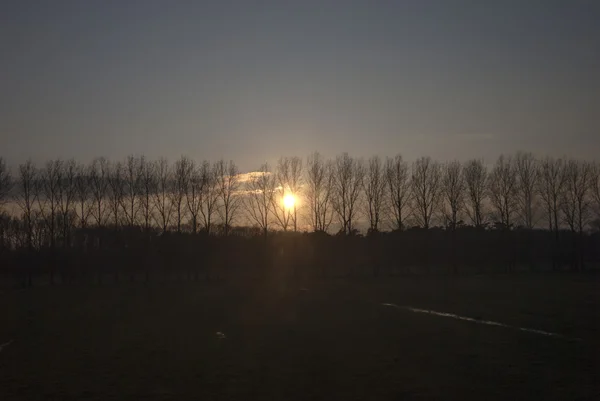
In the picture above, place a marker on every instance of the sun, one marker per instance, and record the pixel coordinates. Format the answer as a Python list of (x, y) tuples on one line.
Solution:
[(289, 201)]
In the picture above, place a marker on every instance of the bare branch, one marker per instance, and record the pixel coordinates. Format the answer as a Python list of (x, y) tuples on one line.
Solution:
[(348, 175), (426, 189), (453, 191), (6, 183), (148, 189), (99, 187), (527, 177), (550, 187), (162, 201), (132, 176), (319, 182), (228, 183), (475, 174), (398, 182), (575, 196), (259, 197), (502, 185), (375, 190), (210, 195), (289, 179), (116, 194)]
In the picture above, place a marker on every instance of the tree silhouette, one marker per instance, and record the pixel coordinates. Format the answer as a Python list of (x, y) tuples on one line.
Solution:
[(55, 204), (259, 197), (148, 189), (319, 182), (194, 190), (595, 187), (162, 195), (550, 186), (502, 186), (575, 200), (116, 193), (575, 203), (67, 192), (476, 177), (348, 176), (375, 190), (82, 194), (132, 177), (527, 177), (49, 202), (283, 215), (228, 183), (426, 188), (289, 177), (181, 177), (6, 185), (399, 189), (99, 176), (453, 192), (26, 197), (210, 195)]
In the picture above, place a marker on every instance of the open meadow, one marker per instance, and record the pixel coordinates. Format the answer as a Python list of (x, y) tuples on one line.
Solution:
[(333, 339)]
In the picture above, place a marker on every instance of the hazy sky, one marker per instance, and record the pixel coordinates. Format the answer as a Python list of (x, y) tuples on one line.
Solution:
[(253, 80)]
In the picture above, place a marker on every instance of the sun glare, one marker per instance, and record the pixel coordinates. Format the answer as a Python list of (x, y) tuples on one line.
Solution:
[(289, 201)]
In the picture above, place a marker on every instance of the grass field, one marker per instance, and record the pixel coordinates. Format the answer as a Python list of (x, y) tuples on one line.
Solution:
[(334, 341)]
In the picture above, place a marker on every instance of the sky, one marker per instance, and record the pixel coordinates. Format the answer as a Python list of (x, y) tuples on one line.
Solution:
[(255, 80)]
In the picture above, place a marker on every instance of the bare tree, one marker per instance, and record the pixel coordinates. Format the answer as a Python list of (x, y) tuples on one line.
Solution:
[(27, 196), (99, 172), (116, 193), (210, 194), (147, 182), (289, 176), (550, 187), (259, 197), (476, 176), (527, 176), (375, 190), (595, 188), (49, 200), (348, 176), (319, 183), (398, 182), (132, 177), (575, 195), (194, 192), (162, 196), (453, 191), (6, 185), (502, 185), (426, 190), (576, 203), (67, 195), (82, 194), (282, 212), (181, 177), (228, 183)]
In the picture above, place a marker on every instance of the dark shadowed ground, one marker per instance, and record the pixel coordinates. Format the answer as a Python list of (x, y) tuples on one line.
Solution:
[(335, 341)]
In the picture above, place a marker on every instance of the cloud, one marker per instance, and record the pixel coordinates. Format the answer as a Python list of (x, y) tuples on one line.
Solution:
[(245, 177)]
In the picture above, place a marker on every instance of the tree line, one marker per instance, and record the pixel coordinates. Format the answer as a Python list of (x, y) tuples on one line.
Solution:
[(52, 206)]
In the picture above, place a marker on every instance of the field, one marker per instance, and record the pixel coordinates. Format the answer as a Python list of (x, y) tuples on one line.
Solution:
[(321, 341)]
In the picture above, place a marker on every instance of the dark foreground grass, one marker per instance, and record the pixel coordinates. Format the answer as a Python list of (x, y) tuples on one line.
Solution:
[(336, 341)]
